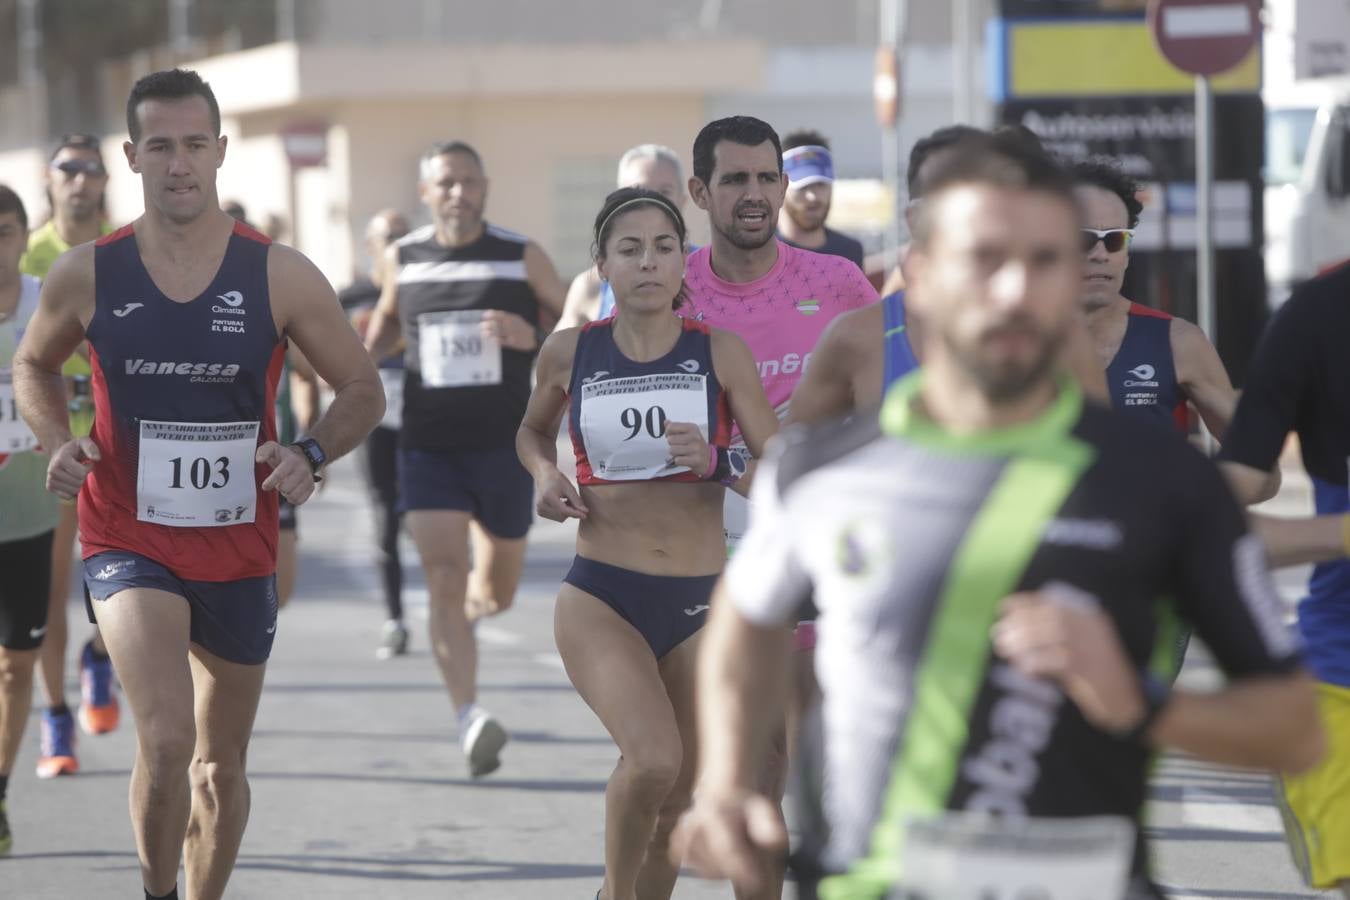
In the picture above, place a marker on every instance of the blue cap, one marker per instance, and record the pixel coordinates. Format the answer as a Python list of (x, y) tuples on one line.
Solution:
[(808, 165)]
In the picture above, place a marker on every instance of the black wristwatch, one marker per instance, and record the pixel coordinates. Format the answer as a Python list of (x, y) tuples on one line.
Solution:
[(1156, 693), (314, 455)]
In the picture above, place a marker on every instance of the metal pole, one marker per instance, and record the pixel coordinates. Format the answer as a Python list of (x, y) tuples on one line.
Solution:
[(180, 25), (890, 33), (286, 30), (1204, 206), (1204, 218), (32, 75), (962, 61)]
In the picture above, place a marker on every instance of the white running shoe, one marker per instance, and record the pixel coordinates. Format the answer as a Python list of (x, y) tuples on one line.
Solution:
[(483, 742), (394, 641)]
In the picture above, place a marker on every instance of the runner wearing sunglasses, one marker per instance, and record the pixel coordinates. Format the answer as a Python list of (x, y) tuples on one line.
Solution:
[(76, 181), (1154, 362)]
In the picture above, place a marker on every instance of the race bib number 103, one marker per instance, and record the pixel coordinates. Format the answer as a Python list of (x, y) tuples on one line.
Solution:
[(196, 474)]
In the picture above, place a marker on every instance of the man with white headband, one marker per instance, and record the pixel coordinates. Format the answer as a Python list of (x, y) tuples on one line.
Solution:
[(801, 222)]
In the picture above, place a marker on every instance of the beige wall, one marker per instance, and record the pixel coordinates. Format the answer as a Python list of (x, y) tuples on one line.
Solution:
[(550, 124)]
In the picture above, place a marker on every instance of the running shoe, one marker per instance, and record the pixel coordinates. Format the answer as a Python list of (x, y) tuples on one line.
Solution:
[(98, 703), (6, 839), (394, 642), (483, 742), (57, 756)]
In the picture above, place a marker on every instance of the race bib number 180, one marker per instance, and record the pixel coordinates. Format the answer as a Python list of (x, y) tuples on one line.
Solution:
[(453, 351), (961, 856), (197, 475)]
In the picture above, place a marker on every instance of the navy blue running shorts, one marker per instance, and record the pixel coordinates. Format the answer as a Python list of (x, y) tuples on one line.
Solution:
[(490, 485), (235, 620), (27, 568), (665, 609)]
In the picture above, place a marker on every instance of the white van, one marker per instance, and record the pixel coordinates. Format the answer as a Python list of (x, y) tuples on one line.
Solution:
[(1307, 182)]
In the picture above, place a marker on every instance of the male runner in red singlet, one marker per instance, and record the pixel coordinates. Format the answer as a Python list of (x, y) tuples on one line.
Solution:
[(188, 315)]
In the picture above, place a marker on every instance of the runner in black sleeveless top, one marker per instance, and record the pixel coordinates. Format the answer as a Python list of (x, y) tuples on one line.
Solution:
[(652, 400), (470, 301), (379, 454)]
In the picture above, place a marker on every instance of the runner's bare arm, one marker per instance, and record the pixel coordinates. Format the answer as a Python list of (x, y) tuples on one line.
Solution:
[(546, 284), (742, 671), (826, 389), (56, 330), (895, 279), (583, 301), (1296, 542), (383, 332), (1264, 722), (537, 439), (735, 367), (1261, 723), (1250, 485), (1202, 376), (311, 317), (1081, 362)]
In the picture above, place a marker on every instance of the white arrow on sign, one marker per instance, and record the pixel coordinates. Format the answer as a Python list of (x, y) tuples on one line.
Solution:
[(1207, 20)]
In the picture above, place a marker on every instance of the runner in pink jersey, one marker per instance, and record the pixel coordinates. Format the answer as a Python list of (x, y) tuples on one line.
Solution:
[(780, 314), (778, 299)]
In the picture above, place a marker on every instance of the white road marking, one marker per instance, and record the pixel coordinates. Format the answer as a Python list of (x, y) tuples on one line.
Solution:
[(552, 660), (1201, 808)]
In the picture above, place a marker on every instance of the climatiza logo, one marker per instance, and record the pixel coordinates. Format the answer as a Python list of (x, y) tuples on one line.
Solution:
[(205, 373), (1143, 377), (233, 302)]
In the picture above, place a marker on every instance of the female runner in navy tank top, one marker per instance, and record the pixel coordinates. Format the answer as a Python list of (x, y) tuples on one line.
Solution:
[(651, 399)]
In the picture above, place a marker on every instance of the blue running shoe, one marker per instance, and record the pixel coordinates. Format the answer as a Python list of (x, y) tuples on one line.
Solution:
[(57, 756), (98, 704)]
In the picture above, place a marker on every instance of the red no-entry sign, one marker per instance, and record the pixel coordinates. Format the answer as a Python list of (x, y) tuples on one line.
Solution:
[(1205, 37)]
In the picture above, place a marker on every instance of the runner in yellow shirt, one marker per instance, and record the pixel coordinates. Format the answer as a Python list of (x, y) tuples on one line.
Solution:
[(76, 181)]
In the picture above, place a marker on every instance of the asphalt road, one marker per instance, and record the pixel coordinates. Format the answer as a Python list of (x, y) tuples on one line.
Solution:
[(359, 790)]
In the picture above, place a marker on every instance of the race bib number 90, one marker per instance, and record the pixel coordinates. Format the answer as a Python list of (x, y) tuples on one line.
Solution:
[(15, 436), (623, 423), (196, 475), (961, 856), (453, 351)]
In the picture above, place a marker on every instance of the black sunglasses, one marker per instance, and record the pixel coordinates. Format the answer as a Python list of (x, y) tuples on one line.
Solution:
[(1114, 239), (73, 167)]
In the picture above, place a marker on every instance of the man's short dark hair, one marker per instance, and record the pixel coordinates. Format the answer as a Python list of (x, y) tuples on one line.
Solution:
[(745, 130), (925, 147), (445, 148), (10, 202), (1110, 177), (170, 84), (1000, 164), (804, 137)]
